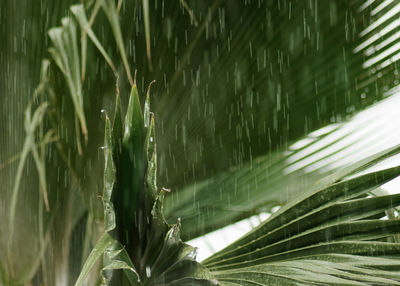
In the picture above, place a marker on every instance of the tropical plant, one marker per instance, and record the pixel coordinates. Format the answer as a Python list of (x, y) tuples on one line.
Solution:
[(329, 235), (98, 219)]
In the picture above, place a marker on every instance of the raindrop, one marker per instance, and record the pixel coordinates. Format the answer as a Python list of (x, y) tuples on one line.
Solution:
[(171, 234), (148, 271), (193, 254), (214, 281)]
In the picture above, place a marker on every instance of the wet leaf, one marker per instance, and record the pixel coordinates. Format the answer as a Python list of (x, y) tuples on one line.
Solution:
[(104, 242), (319, 224), (31, 124), (65, 53), (80, 15), (112, 16)]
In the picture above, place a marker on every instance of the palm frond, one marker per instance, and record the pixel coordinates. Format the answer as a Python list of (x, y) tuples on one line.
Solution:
[(328, 235)]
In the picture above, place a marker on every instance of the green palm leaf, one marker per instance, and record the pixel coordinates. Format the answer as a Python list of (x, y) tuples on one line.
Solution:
[(334, 235)]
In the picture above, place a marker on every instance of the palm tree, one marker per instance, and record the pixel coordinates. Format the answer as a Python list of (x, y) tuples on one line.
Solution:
[(236, 85)]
